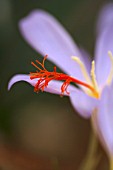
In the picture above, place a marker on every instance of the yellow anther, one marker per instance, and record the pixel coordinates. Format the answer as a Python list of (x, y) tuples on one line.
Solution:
[(110, 77), (92, 81), (93, 76), (94, 94), (83, 69)]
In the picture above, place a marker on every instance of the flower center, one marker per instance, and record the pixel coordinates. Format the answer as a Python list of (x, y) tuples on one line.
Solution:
[(90, 86), (91, 79)]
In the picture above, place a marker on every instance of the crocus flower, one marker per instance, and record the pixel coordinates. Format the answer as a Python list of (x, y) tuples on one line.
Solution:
[(94, 96)]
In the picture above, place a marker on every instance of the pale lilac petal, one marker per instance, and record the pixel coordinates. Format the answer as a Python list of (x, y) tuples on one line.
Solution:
[(83, 103), (45, 34), (53, 86), (86, 59), (20, 77), (103, 45), (104, 119), (105, 17)]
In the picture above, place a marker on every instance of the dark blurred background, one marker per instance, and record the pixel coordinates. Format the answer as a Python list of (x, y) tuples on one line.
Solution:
[(43, 125)]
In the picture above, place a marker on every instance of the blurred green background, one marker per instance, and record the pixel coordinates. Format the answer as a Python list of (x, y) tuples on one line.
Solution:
[(43, 124)]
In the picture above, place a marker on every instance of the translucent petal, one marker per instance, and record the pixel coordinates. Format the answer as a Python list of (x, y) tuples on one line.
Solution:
[(104, 120), (104, 44), (105, 17), (46, 35), (53, 86), (83, 103)]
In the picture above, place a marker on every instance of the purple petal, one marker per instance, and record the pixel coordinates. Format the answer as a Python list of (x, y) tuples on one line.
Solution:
[(104, 120), (86, 59), (83, 103), (104, 44), (20, 77), (45, 34), (53, 86), (105, 17)]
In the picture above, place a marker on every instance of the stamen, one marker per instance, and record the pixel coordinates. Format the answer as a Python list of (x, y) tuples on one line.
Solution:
[(83, 69), (93, 76), (110, 77)]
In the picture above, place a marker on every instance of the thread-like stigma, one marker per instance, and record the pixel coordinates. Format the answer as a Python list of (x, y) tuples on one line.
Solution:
[(44, 77)]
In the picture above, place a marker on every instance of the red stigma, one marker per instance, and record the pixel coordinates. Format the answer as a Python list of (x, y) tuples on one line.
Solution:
[(44, 77)]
